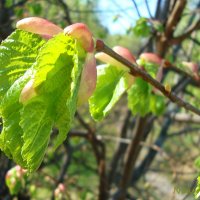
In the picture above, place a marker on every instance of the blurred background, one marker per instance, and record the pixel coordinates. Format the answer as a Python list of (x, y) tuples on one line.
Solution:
[(93, 161)]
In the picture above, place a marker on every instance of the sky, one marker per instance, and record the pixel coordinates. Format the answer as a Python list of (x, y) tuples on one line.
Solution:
[(124, 11)]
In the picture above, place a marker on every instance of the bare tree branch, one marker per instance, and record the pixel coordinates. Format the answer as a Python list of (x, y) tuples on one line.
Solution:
[(66, 10), (179, 39), (136, 7)]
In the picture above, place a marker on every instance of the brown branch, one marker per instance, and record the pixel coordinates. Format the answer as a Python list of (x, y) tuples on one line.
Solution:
[(131, 158), (174, 17), (66, 10), (193, 77), (99, 151), (137, 72), (120, 150), (185, 118), (179, 39)]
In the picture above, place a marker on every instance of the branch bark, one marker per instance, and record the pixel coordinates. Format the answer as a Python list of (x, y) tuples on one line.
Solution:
[(131, 158), (100, 154), (137, 72), (179, 39)]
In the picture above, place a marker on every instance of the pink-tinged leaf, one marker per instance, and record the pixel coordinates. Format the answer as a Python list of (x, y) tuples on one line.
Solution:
[(27, 92), (151, 57), (39, 26), (88, 79), (82, 33)]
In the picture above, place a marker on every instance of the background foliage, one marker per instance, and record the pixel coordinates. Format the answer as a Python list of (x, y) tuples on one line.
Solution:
[(155, 148)]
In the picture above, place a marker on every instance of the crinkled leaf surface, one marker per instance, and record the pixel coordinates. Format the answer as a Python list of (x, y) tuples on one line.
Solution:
[(17, 53), (157, 104), (11, 137), (26, 127), (111, 84), (139, 97), (142, 101)]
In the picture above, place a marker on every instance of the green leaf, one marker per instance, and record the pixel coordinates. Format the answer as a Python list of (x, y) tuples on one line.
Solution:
[(34, 8), (157, 104), (56, 82), (11, 137), (139, 97), (197, 162), (111, 84), (197, 190), (142, 28), (17, 53), (36, 123), (56, 71), (151, 68)]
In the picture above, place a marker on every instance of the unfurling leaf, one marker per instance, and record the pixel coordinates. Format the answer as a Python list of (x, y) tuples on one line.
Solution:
[(51, 79), (111, 84)]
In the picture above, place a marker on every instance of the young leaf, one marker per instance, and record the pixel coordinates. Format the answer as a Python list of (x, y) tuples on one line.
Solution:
[(139, 97), (11, 137), (18, 53), (111, 84), (142, 28), (56, 83), (55, 77), (157, 104), (36, 123)]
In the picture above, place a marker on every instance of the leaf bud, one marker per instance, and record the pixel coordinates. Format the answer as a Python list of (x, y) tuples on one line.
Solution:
[(88, 79), (124, 52), (151, 58), (39, 26), (82, 33)]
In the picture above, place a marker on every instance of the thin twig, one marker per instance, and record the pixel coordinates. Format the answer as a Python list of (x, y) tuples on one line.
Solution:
[(148, 9), (99, 151), (136, 71), (136, 7)]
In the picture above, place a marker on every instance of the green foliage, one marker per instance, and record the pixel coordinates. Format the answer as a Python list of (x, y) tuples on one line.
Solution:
[(18, 52), (158, 26), (157, 104), (197, 190), (141, 100), (55, 70), (139, 97), (151, 68), (197, 162), (15, 180), (34, 8), (142, 28), (111, 84)]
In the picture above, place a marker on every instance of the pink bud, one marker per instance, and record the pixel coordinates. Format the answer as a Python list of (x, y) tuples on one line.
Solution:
[(39, 26), (151, 57), (88, 79), (59, 191), (61, 187), (124, 52), (27, 92), (82, 33)]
